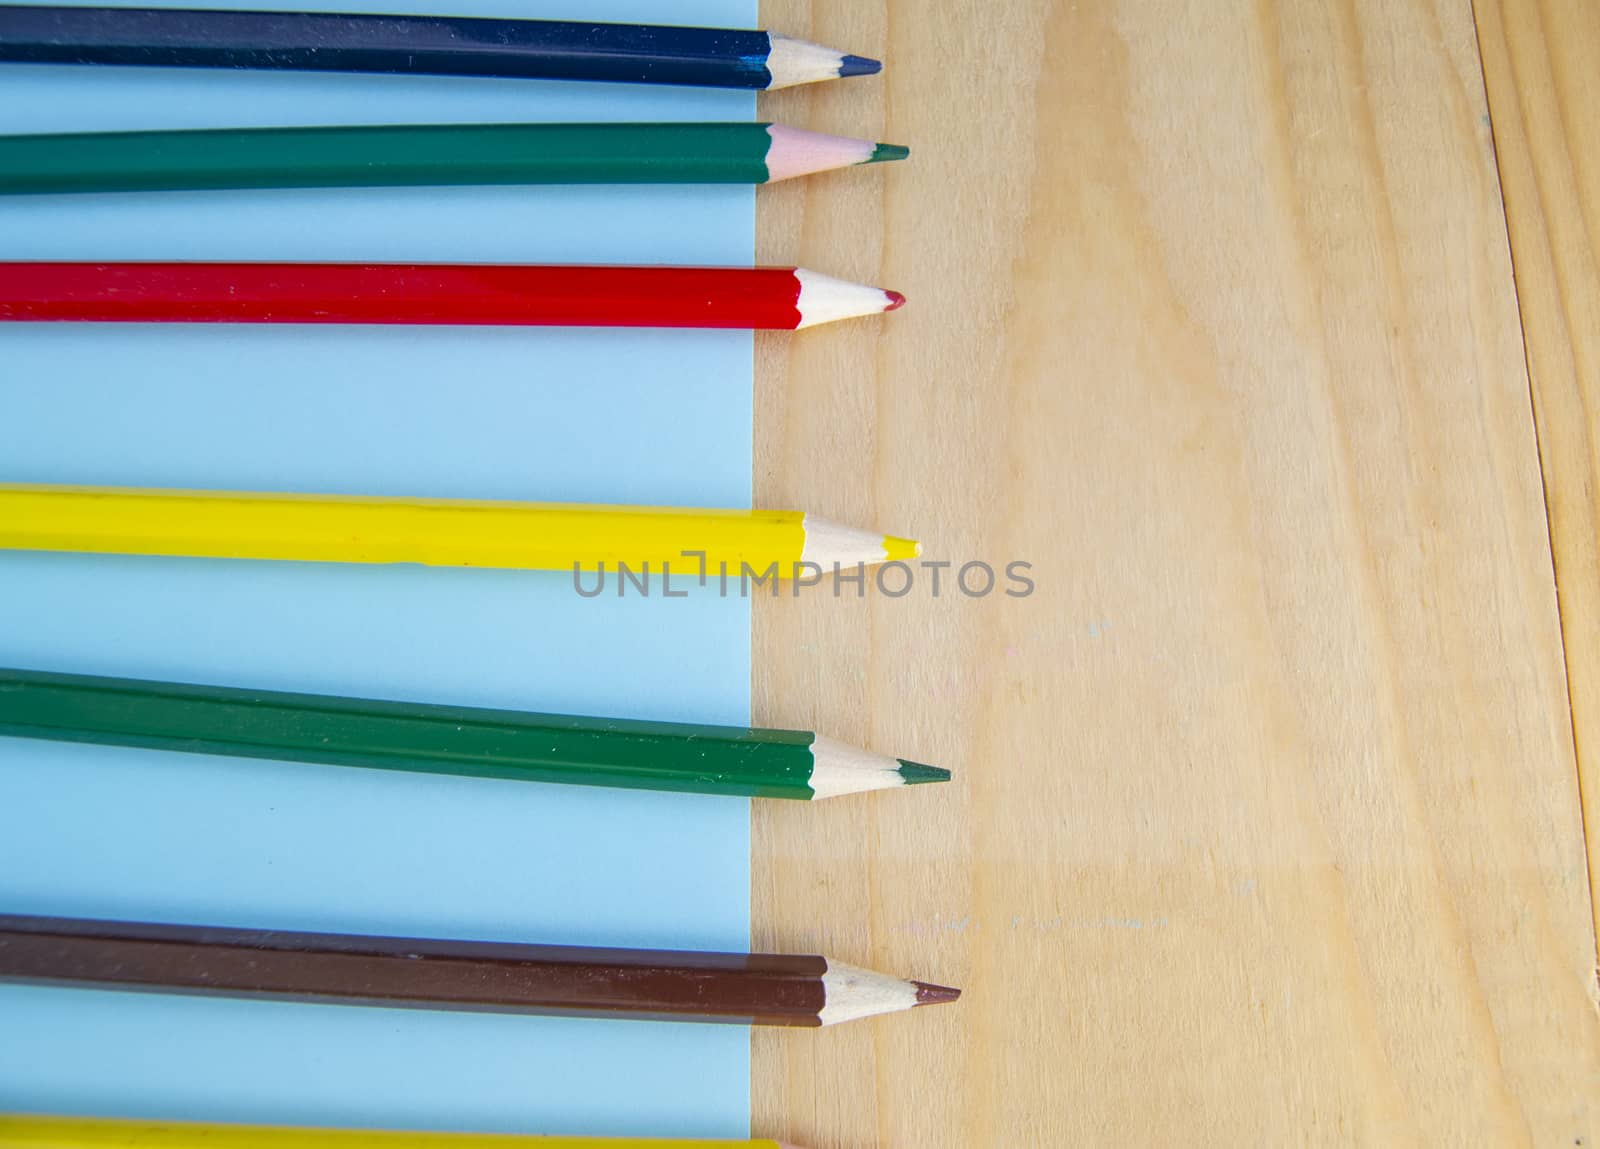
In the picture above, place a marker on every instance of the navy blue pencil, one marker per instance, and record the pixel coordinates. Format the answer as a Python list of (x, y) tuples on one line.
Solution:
[(428, 45)]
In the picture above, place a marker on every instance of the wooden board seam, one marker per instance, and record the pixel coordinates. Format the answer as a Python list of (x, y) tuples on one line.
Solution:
[(1547, 479)]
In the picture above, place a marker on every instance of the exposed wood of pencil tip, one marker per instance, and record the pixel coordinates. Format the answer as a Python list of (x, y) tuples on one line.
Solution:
[(798, 152), (792, 62), (839, 768), (824, 299), (829, 544)]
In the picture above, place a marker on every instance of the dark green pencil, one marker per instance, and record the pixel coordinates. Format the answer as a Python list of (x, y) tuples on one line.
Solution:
[(431, 739), (426, 154)]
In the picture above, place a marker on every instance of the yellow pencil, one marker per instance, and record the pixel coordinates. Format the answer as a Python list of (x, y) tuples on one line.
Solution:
[(435, 532), (22, 1131)]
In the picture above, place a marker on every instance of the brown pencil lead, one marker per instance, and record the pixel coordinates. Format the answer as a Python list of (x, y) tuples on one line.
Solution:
[(930, 994)]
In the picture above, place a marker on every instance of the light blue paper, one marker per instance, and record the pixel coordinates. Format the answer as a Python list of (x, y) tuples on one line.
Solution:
[(598, 416)]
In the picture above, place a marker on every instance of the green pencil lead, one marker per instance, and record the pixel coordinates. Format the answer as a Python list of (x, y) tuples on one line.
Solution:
[(915, 773), (884, 153)]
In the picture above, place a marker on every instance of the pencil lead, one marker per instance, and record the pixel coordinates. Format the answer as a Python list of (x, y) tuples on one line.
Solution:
[(859, 66), (884, 153), (896, 300), (898, 549), (930, 994), (915, 773)]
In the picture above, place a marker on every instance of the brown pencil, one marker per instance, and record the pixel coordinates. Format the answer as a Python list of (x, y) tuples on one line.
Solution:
[(680, 985)]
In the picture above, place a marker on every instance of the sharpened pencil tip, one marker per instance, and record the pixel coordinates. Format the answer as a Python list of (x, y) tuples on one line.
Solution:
[(915, 773), (859, 66), (884, 153), (896, 300), (930, 994)]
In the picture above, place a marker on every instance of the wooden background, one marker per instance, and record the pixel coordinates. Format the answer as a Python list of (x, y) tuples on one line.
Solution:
[(1267, 828)]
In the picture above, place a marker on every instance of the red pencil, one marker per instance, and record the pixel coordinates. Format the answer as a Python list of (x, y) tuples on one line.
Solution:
[(780, 298)]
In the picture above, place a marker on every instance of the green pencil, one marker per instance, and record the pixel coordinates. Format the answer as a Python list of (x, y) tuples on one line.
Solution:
[(468, 741), (425, 154)]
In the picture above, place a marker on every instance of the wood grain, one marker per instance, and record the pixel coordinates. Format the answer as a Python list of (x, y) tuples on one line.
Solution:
[(1266, 829), (1541, 64)]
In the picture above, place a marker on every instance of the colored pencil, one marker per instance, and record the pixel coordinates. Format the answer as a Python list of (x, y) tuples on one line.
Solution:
[(505, 977), (418, 45), (433, 532), (38, 1131), (424, 155), (468, 741), (772, 298)]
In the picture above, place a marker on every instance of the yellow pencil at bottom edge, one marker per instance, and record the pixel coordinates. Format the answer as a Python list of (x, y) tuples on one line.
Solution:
[(28, 1131), (433, 532)]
